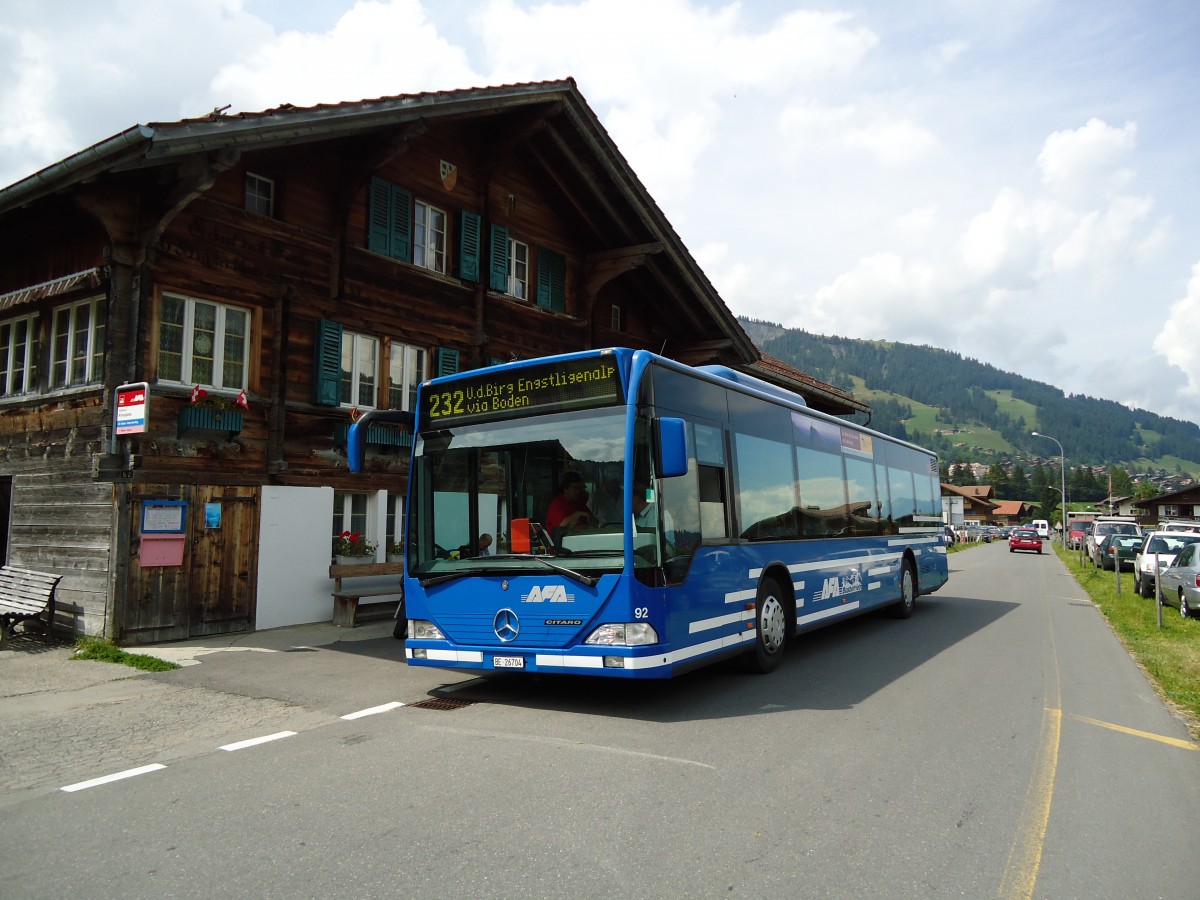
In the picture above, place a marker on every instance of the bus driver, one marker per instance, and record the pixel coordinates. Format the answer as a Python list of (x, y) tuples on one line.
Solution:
[(569, 509)]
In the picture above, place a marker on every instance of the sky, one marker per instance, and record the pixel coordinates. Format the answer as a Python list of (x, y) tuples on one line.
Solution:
[(1012, 180)]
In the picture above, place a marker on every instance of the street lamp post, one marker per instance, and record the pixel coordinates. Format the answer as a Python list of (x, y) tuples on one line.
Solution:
[(1062, 458)]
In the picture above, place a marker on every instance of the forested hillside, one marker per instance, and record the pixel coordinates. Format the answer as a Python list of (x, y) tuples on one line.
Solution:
[(966, 392)]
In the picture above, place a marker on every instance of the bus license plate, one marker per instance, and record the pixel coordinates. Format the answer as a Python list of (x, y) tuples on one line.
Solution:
[(508, 662)]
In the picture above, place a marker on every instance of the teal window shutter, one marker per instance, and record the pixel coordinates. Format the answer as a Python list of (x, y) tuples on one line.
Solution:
[(469, 227), (447, 361), (327, 363), (498, 259), (551, 280), (379, 217), (389, 220), (402, 222)]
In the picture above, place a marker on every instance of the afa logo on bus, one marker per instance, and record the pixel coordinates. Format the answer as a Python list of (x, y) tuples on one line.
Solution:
[(550, 593)]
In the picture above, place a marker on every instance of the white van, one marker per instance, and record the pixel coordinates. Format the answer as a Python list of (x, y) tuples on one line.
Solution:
[(1042, 527)]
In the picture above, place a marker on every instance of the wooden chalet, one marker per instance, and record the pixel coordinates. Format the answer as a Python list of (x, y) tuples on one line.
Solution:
[(265, 274)]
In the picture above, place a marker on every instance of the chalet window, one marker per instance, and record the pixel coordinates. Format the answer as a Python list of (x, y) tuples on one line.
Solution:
[(429, 237), (518, 269), (360, 363), (78, 343), (350, 514), (260, 195), (18, 350), (406, 369), (203, 343), (395, 519)]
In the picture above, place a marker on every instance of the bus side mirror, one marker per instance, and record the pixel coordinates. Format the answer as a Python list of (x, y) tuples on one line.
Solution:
[(670, 447), (356, 438)]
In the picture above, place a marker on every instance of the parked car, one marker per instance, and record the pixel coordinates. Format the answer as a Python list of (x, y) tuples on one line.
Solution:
[(1181, 581), (1024, 539), (1180, 525), (1076, 537), (1104, 526), (1158, 548), (1119, 550)]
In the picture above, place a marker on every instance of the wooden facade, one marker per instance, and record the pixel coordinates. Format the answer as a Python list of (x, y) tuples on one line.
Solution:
[(246, 255)]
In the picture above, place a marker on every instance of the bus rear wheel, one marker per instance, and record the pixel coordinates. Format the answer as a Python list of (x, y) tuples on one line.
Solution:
[(903, 608), (770, 616)]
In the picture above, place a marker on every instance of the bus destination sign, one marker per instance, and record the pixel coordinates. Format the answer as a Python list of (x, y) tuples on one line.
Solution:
[(510, 391)]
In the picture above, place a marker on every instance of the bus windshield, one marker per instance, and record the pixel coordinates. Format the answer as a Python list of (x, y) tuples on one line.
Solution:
[(482, 496)]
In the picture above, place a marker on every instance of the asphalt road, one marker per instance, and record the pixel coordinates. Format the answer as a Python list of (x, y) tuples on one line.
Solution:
[(999, 743)]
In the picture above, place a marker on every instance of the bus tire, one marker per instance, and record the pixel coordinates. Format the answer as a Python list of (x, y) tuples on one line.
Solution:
[(771, 626), (903, 608)]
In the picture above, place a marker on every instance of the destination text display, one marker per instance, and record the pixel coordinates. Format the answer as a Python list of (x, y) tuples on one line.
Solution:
[(551, 387)]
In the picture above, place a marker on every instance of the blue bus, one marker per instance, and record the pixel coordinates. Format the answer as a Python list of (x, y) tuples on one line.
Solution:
[(723, 516)]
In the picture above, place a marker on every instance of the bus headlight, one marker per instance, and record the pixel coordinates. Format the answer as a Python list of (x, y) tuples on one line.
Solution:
[(624, 634), (421, 630)]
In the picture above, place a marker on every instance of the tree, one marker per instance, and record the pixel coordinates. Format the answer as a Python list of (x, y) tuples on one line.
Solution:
[(961, 474), (998, 479), (1018, 484), (1122, 484), (1039, 480)]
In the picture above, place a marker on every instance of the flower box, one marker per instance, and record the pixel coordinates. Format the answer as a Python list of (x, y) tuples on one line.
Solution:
[(380, 435), (205, 419)]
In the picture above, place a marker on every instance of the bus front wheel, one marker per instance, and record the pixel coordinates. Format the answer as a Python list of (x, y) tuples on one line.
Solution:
[(903, 607), (772, 627)]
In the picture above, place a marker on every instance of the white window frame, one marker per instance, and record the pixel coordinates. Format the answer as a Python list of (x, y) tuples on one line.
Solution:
[(93, 351), (394, 519), (8, 374), (406, 369), (352, 512), (353, 345), (260, 192), (429, 237), (518, 269), (186, 375)]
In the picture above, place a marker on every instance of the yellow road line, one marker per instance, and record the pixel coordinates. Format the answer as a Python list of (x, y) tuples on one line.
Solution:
[(1025, 857), (1162, 739)]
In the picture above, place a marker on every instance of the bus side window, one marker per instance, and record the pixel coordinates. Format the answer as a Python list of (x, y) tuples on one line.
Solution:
[(713, 521)]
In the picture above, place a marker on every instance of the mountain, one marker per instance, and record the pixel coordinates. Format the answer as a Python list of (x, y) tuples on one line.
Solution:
[(972, 412)]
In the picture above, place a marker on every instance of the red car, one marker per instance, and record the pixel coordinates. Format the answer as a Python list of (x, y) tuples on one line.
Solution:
[(1024, 539)]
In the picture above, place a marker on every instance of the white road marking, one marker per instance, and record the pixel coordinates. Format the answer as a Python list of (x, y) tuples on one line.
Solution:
[(128, 773)]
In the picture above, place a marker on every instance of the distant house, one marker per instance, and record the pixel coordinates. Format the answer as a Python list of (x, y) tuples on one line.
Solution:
[(975, 507), (1012, 512), (1181, 504)]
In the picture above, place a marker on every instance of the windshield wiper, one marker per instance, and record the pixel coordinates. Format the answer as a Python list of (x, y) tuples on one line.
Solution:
[(431, 580), (589, 580)]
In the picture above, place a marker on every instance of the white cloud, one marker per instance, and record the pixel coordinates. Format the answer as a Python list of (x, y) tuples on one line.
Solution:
[(1177, 339), (375, 49), (808, 127), (1087, 160), (1001, 244), (944, 54)]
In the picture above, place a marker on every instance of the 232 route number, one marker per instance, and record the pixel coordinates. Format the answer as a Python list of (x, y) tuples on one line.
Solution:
[(446, 403)]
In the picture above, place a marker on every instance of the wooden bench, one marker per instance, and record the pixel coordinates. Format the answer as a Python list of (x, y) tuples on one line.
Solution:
[(26, 597), (345, 599)]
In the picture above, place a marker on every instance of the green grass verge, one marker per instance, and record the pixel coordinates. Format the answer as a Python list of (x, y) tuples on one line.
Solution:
[(1170, 656), (102, 650)]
